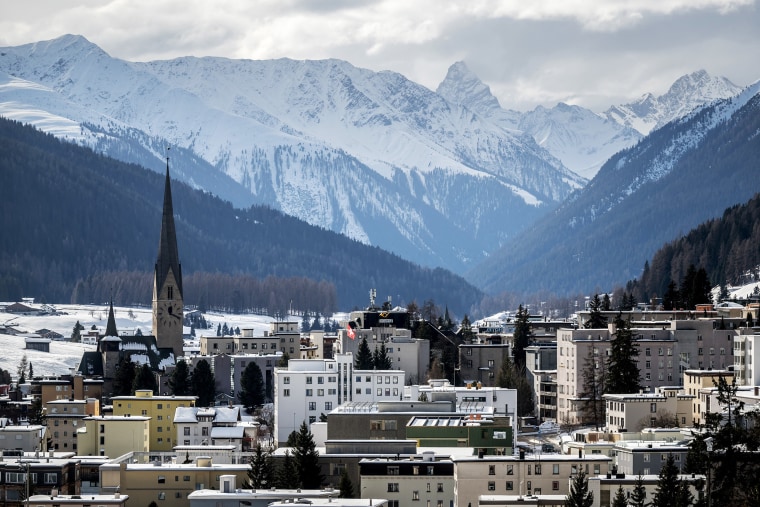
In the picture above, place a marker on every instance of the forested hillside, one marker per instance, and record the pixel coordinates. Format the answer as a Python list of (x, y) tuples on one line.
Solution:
[(71, 219), (725, 248)]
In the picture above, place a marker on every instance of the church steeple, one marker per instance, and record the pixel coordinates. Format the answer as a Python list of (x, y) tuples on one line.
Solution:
[(111, 326), (168, 301), (168, 255)]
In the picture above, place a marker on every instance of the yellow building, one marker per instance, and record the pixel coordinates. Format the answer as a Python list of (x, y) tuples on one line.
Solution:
[(160, 409), (694, 381), (113, 436)]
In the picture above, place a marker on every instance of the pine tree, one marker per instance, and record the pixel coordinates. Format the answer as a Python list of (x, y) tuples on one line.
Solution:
[(639, 493), (579, 495), (21, 369), (522, 337), (306, 459), (179, 380), (287, 474), (346, 486), (203, 384), (251, 387), (510, 376), (593, 375), (36, 414), (124, 378), (380, 359), (76, 334), (595, 318), (606, 303), (260, 475), (144, 379), (283, 361), (622, 374), (671, 299), (670, 490), (620, 500), (363, 356)]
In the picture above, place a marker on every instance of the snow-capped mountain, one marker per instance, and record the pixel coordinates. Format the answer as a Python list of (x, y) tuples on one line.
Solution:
[(686, 94), (679, 176), (368, 154), (582, 139)]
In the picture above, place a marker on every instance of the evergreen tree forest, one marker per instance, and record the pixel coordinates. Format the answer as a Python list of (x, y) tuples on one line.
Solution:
[(724, 248), (232, 259)]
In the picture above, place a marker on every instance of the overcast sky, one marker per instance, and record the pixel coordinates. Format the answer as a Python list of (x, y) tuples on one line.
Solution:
[(530, 52)]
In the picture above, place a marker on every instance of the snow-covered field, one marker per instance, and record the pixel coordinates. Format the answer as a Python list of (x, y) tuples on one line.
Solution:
[(64, 355)]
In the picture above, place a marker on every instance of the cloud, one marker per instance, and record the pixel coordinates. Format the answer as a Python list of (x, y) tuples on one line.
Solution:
[(592, 53)]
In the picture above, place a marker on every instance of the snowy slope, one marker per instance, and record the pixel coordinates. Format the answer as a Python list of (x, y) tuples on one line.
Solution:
[(582, 139), (686, 94), (65, 355), (371, 155)]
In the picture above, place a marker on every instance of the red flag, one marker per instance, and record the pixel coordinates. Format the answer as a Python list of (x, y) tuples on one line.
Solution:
[(350, 332)]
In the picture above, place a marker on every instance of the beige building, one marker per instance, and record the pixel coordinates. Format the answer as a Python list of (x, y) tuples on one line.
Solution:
[(411, 481), (64, 418), (160, 410), (657, 362), (666, 407), (113, 436), (166, 483), (695, 381), (546, 474)]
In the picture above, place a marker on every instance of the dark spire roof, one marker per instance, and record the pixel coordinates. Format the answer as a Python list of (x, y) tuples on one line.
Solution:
[(168, 255), (111, 326)]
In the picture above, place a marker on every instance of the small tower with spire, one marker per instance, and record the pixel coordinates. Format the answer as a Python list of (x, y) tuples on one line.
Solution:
[(168, 300), (109, 346)]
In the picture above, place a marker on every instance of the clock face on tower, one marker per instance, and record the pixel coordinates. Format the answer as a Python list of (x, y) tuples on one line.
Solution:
[(169, 313)]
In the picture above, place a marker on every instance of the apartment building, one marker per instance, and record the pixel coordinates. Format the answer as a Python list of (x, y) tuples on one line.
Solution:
[(657, 362), (308, 388), (160, 409), (65, 417), (747, 357), (697, 381), (409, 481), (545, 474), (197, 426), (666, 406), (113, 436)]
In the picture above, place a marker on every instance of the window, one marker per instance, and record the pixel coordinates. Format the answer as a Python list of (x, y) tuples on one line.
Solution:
[(537, 469), (491, 469), (439, 488), (161, 479), (653, 407), (415, 495), (162, 495), (309, 392), (647, 351), (393, 487), (510, 486), (646, 457), (392, 470), (308, 380), (648, 364), (328, 405), (320, 392), (286, 380), (555, 485), (491, 486), (597, 469), (510, 469), (555, 469), (286, 392), (320, 380), (186, 478), (312, 405)]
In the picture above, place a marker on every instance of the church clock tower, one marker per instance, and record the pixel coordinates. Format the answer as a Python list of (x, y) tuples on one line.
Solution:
[(167, 281)]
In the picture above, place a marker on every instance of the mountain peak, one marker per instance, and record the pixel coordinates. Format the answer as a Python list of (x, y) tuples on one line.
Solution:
[(462, 86)]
